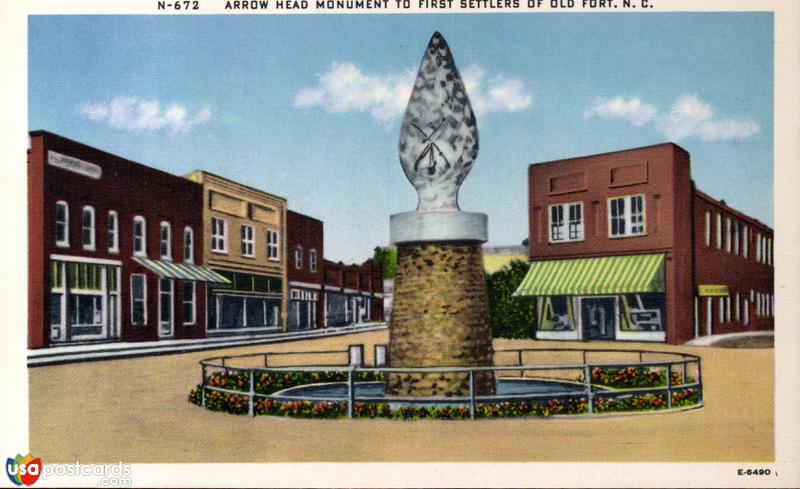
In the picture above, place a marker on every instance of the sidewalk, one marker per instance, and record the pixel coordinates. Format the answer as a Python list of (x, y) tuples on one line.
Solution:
[(721, 338), (108, 351)]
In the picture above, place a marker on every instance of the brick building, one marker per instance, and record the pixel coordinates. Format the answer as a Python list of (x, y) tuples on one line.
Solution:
[(623, 247), (305, 240), (353, 293), (110, 255), (244, 231)]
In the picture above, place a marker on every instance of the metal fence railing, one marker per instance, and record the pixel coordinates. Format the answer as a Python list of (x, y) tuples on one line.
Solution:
[(681, 371)]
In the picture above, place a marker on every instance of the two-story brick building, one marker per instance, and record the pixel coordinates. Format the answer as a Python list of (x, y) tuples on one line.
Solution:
[(305, 241), (244, 231), (623, 247), (110, 255)]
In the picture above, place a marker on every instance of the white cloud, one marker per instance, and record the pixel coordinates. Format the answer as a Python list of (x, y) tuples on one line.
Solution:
[(691, 117), (345, 88), (632, 110), (131, 113), (688, 117)]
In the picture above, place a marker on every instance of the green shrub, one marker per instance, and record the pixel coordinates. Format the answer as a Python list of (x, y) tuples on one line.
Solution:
[(510, 317)]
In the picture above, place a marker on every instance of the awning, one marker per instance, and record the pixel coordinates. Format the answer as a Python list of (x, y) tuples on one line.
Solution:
[(595, 276), (181, 271)]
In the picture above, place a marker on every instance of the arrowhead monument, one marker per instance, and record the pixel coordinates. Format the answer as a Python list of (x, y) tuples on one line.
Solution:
[(440, 316)]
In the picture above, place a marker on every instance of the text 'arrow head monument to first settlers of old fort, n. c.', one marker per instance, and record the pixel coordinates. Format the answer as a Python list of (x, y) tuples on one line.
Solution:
[(439, 136)]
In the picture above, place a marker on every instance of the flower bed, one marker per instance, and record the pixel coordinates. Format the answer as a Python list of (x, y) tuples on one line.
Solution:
[(635, 377), (612, 399), (645, 402)]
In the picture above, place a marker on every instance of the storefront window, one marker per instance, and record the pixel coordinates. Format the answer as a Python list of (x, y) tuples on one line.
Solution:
[(556, 314), (643, 312), (245, 312)]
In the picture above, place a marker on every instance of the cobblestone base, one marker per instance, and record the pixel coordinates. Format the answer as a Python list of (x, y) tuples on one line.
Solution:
[(440, 318)]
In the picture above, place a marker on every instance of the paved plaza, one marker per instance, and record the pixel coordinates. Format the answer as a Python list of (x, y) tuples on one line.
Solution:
[(136, 410)]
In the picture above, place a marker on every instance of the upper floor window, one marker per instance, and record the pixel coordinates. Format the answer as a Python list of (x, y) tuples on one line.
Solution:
[(113, 231), (139, 236), (736, 237), (708, 229), (188, 245), (728, 231), (298, 258), (88, 227), (759, 248), (746, 241), (566, 222), (62, 223), (272, 245), (248, 241), (769, 251), (626, 216), (219, 235), (166, 241), (312, 260), (719, 231)]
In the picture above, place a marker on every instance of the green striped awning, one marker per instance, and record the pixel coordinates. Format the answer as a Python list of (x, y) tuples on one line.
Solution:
[(181, 271), (594, 276)]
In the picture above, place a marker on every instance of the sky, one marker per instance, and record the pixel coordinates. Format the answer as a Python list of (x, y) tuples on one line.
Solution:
[(309, 107)]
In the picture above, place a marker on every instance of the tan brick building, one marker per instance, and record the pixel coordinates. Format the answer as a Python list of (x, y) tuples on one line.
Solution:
[(245, 241)]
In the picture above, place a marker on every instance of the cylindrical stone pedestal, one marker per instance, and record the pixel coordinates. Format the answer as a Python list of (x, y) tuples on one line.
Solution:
[(440, 318)]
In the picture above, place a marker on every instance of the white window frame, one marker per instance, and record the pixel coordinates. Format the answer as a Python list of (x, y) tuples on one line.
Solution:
[(142, 238), (248, 233), (746, 312), (738, 309), (719, 231), (219, 235), (312, 259), (65, 242), (193, 302), (92, 228), (737, 232), (165, 226), (721, 302), (728, 317), (627, 216), (273, 245), (188, 239), (746, 241), (728, 233), (143, 300), (708, 229), (298, 258), (113, 234), (758, 248), (567, 222), (769, 251)]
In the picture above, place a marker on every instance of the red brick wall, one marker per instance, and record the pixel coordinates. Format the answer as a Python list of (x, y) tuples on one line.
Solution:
[(308, 233), (720, 267), (128, 188)]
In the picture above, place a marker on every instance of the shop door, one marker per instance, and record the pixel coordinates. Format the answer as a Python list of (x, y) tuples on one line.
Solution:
[(165, 308), (599, 317)]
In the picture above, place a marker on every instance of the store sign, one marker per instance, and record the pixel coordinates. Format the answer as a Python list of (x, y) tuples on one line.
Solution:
[(74, 165), (712, 290)]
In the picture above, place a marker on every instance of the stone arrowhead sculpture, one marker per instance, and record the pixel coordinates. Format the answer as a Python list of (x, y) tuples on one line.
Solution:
[(439, 135)]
